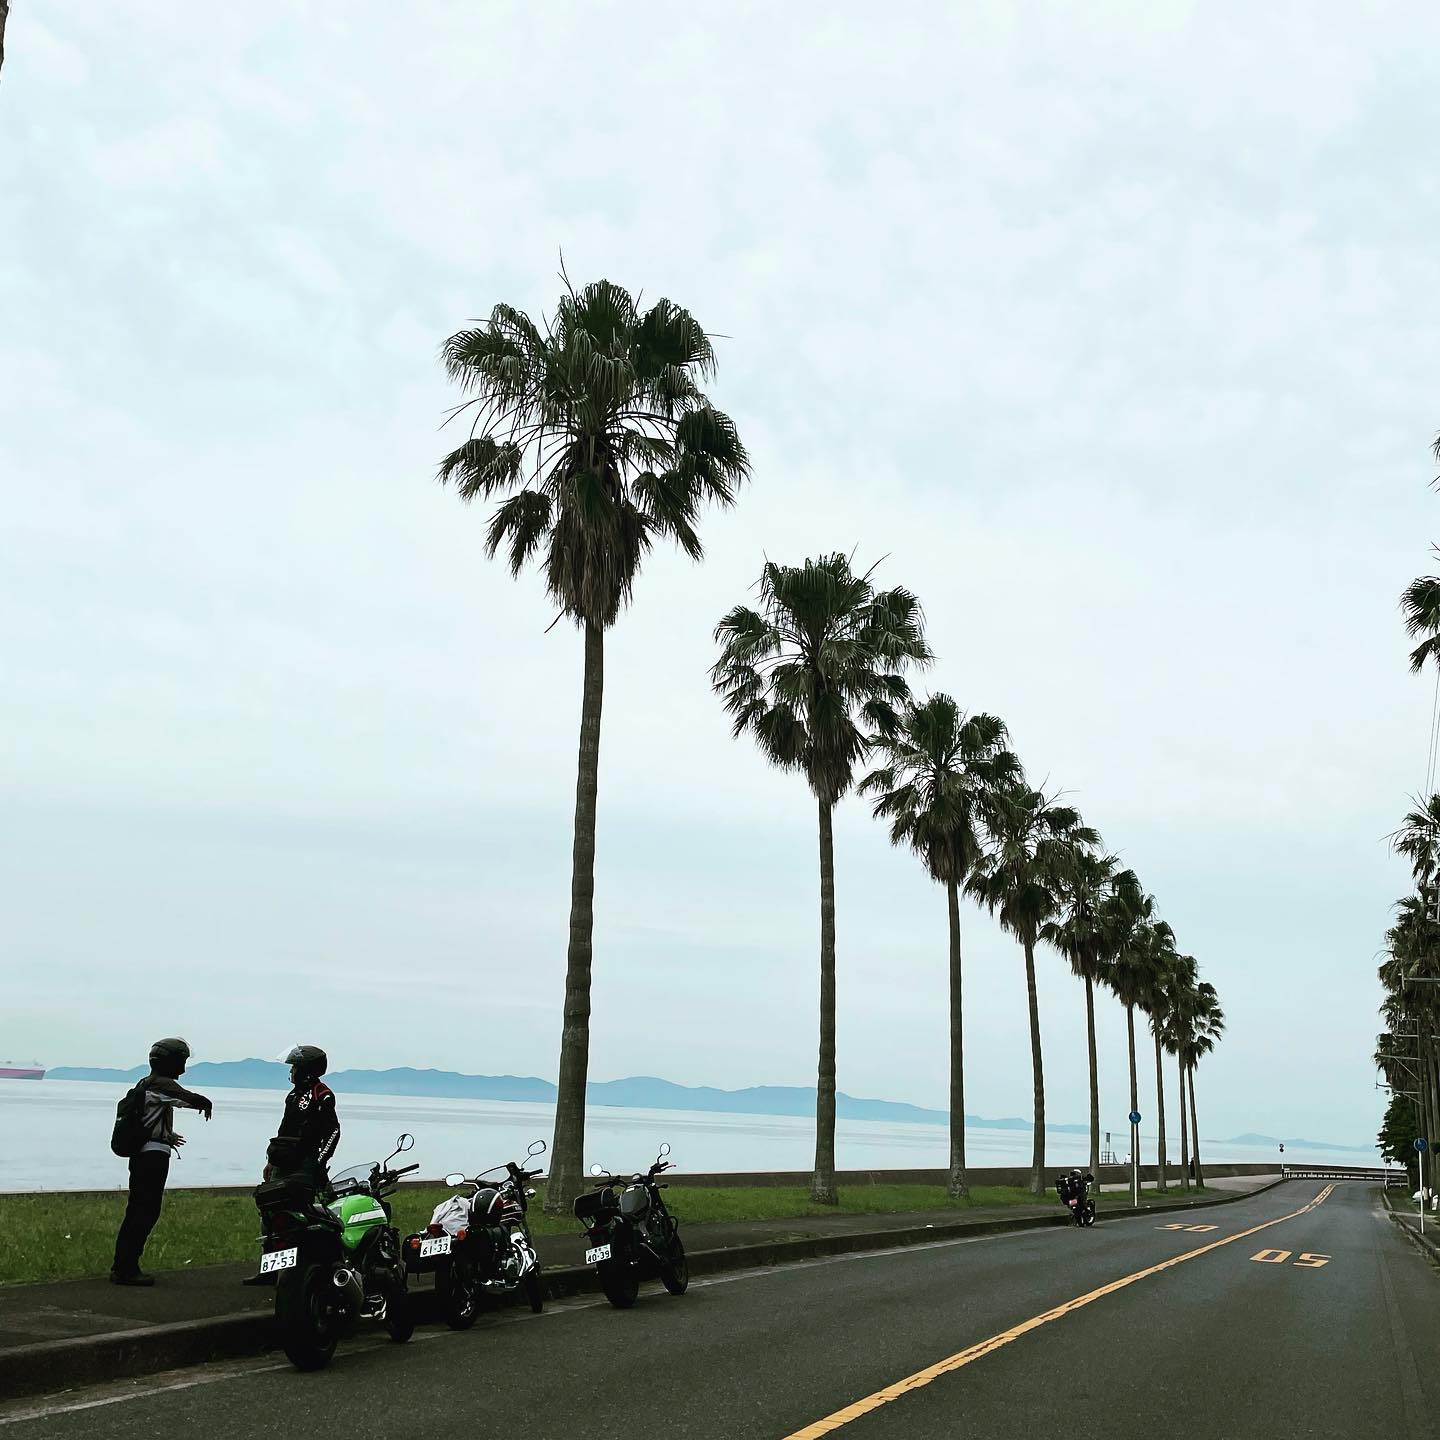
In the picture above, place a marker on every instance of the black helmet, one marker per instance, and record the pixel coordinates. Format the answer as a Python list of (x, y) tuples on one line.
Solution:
[(168, 1056), (306, 1062)]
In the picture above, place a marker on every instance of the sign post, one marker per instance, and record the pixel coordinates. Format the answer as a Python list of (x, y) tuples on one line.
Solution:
[(1135, 1158), (1421, 1146)]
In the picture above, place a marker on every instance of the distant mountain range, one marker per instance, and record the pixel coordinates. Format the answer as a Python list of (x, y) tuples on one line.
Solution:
[(638, 1092), (1275, 1142)]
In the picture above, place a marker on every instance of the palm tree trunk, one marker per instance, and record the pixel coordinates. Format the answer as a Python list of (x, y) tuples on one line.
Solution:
[(1195, 1134), (567, 1154), (958, 1187), (822, 1183), (1162, 1181), (1037, 1065), (1094, 1080), (1134, 1090), (1184, 1136)]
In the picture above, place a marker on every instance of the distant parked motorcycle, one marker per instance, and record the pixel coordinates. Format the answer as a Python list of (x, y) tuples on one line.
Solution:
[(1074, 1192), (480, 1243), (632, 1235), (336, 1257)]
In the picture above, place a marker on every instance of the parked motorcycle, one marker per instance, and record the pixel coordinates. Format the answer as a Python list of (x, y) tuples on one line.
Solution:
[(480, 1242), (632, 1235), (1074, 1192), (336, 1257)]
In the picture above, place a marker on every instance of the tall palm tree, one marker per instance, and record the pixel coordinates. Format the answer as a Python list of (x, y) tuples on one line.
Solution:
[(1035, 845), (816, 675), (1182, 1003), (1166, 978), (1209, 1026), (942, 771), (1418, 839), (594, 436), (1420, 605), (1079, 935), (1131, 927)]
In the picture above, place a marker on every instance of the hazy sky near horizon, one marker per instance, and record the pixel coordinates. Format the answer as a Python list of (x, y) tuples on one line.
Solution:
[(1115, 333)]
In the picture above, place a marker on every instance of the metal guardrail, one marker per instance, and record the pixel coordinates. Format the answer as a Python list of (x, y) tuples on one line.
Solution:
[(1383, 1173)]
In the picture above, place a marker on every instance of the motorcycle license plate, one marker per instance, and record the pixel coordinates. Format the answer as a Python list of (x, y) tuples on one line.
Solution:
[(599, 1253), (274, 1260), (436, 1245)]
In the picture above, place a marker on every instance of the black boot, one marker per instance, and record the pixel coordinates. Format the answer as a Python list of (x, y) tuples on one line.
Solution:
[(137, 1278)]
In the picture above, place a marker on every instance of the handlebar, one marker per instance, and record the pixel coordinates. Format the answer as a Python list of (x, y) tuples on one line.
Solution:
[(405, 1170)]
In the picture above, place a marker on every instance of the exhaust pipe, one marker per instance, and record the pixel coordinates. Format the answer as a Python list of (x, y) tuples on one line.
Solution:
[(349, 1284)]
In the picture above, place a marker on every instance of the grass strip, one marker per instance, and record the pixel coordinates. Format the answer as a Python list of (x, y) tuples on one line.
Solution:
[(56, 1236)]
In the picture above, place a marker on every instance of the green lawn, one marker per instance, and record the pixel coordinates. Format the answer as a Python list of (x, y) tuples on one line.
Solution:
[(53, 1237)]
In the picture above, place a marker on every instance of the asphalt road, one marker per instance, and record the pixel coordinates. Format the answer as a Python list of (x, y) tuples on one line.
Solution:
[(1287, 1318)]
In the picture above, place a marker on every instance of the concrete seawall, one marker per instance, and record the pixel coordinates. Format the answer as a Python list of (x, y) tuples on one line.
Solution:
[(977, 1175)]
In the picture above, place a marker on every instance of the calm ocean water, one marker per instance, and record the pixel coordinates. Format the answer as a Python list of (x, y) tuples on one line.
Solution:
[(57, 1137)]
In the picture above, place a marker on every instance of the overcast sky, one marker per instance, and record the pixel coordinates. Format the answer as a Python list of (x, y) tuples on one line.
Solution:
[(1112, 328)]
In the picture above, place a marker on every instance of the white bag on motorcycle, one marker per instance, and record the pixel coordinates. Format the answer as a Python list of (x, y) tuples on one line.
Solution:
[(452, 1215)]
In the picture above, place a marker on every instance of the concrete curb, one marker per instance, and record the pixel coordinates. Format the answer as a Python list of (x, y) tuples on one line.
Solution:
[(55, 1365)]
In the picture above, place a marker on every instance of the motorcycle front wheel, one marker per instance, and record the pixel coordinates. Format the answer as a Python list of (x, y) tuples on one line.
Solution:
[(620, 1280), (675, 1271), (459, 1300), (399, 1317), (534, 1287), (1087, 1215), (304, 1311)]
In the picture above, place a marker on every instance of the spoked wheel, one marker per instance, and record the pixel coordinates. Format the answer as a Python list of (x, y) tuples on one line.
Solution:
[(305, 1313), (534, 1287), (459, 1300), (620, 1280), (675, 1272), (399, 1318)]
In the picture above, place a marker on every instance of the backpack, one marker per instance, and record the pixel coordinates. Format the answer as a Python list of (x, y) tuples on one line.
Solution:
[(129, 1135)]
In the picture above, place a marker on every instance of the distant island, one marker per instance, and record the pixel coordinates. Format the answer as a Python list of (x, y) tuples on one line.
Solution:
[(637, 1092)]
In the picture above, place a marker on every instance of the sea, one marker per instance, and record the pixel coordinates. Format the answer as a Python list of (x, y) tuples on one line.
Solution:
[(57, 1137)]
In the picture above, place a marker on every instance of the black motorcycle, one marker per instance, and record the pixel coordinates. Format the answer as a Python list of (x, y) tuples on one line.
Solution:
[(1074, 1193), (335, 1256), (632, 1235), (480, 1243)]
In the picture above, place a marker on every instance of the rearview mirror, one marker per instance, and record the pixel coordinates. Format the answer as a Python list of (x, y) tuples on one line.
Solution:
[(596, 1170), (456, 1179), (664, 1149), (403, 1143), (536, 1148)]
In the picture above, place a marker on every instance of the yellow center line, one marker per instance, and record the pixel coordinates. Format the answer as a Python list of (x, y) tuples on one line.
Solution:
[(921, 1378)]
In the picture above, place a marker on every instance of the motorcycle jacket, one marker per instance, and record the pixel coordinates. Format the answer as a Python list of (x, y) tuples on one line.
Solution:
[(309, 1129)]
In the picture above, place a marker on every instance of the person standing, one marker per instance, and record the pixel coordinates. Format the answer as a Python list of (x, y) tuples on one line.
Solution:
[(310, 1127), (309, 1130), (161, 1092)]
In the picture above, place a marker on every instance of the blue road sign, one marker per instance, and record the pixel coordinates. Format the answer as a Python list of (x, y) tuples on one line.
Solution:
[(1134, 1117), (1422, 1145)]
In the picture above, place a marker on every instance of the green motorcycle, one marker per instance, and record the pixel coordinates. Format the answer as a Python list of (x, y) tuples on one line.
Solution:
[(335, 1257)]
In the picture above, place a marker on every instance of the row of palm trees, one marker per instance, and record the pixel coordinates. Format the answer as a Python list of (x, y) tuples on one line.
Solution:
[(593, 434), (1408, 1050), (817, 675)]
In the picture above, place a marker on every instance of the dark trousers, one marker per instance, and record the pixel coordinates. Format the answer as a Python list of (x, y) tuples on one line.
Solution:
[(148, 1172)]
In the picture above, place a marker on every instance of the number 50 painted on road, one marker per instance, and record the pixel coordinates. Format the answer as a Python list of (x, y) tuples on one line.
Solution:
[(1279, 1257)]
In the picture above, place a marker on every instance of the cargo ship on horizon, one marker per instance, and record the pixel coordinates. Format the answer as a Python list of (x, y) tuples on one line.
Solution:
[(9, 1070)]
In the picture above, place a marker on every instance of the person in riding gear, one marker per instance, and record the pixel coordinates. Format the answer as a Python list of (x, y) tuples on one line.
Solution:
[(150, 1167), (309, 1128)]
